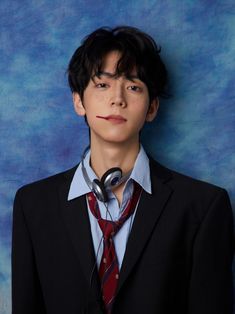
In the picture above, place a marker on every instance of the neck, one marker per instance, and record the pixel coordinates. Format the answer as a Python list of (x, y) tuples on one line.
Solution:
[(109, 155)]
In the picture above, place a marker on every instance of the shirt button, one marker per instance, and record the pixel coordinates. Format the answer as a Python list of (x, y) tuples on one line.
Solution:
[(104, 260), (116, 276)]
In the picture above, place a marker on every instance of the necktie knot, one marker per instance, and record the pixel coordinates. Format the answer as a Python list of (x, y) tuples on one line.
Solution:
[(109, 228)]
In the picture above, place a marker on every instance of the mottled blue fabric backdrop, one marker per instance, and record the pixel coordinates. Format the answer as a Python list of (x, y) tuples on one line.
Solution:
[(40, 133)]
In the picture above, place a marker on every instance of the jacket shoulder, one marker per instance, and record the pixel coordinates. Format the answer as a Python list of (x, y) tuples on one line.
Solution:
[(189, 192)]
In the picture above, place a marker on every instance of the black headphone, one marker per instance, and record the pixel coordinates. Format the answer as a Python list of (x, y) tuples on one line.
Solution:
[(112, 177)]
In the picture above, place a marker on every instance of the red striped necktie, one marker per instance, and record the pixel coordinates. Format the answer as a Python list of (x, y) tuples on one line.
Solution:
[(109, 270)]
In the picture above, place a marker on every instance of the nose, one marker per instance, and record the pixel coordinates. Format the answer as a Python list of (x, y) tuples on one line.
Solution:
[(118, 97)]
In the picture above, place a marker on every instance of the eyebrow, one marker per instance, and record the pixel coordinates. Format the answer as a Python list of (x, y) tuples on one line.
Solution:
[(114, 75)]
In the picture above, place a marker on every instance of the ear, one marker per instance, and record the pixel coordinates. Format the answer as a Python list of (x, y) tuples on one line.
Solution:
[(152, 110), (78, 106)]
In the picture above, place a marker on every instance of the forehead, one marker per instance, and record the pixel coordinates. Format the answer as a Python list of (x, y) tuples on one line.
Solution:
[(110, 60), (112, 64)]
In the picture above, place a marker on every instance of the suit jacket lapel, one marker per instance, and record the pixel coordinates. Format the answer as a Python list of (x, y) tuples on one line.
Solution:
[(147, 215), (74, 213)]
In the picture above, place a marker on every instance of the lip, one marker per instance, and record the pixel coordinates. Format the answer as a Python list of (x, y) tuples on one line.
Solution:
[(113, 118)]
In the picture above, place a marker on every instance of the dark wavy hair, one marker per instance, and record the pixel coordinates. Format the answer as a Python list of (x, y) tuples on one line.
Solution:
[(138, 51)]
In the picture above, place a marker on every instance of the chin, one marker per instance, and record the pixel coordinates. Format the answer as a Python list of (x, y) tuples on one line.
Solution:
[(118, 139)]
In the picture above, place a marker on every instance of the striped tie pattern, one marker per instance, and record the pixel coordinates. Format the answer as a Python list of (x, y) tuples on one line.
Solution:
[(109, 270)]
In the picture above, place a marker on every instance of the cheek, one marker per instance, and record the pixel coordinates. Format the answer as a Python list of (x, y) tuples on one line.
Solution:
[(139, 100), (139, 111), (102, 99)]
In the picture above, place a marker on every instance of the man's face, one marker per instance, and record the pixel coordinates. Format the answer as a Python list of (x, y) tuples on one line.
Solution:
[(125, 98)]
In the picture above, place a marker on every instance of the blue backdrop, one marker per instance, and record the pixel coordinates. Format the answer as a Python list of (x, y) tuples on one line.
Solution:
[(39, 131)]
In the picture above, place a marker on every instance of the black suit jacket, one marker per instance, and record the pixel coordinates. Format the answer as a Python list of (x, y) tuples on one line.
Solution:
[(178, 257)]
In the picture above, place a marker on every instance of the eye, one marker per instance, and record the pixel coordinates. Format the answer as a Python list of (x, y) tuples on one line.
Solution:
[(134, 88), (101, 85)]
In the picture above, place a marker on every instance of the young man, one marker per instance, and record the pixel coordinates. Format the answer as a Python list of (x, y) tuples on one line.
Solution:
[(143, 239)]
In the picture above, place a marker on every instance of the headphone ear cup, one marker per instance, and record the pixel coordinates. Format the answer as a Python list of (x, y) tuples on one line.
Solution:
[(99, 190), (111, 177)]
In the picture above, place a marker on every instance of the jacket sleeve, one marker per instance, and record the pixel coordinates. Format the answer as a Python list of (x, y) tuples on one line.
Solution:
[(211, 283), (26, 291)]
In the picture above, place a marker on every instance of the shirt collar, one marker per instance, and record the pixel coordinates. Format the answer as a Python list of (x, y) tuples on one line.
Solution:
[(140, 173)]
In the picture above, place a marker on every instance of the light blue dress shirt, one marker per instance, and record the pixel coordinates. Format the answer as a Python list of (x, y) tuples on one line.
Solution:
[(141, 174)]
